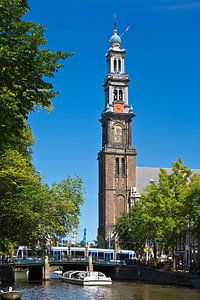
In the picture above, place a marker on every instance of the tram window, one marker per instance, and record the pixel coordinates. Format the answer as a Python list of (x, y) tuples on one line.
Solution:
[(100, 254)]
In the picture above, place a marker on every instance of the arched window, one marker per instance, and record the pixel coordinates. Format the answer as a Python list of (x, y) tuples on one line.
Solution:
[(115, 95), (115, 65), (119, 65), (117, 166), (123, 167), (121, 95)]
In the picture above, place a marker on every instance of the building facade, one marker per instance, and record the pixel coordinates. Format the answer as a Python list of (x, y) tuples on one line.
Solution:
[(117, 158)]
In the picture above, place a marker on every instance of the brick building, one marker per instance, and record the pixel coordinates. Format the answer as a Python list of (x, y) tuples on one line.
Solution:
[(117, 158)]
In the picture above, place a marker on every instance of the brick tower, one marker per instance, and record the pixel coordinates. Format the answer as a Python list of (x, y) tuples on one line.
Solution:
[(117, 158)]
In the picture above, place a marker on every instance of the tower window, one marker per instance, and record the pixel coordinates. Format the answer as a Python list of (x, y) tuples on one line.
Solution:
[(119, 65), (123, 167), (115, 95), (120, 95), (117, 166), (115, 65)]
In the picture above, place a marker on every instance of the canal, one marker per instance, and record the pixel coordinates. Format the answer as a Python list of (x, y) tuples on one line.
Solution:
[(56, 289)]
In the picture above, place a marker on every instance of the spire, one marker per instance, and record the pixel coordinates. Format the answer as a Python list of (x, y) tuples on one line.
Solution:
[(115, 25)]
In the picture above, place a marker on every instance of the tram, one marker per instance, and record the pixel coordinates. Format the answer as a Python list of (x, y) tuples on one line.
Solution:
[(62, 253)]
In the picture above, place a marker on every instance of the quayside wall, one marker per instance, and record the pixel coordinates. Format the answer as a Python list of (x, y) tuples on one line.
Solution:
[(138, 273), (117, 272), (6, 273)]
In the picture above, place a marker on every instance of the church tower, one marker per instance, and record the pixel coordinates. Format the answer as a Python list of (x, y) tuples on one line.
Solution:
[(117, 158)]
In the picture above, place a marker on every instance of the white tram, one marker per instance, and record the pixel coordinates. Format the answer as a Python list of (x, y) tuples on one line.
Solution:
[(62, 253)]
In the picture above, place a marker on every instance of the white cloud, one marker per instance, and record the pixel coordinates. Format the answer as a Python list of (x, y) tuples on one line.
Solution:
[(179, 6)]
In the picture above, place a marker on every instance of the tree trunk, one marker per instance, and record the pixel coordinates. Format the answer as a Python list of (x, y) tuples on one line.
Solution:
[(155, 249), (198, 253), (174, 257)]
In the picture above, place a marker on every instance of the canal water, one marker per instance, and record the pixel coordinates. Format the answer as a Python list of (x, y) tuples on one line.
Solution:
[(56, 289)]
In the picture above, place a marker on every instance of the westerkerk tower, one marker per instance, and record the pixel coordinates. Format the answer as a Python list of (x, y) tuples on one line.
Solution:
[(117, 158)]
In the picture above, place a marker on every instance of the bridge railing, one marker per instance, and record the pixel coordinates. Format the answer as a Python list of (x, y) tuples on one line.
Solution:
[(83, 260), (5, 260), (36, 260), (29, 260)]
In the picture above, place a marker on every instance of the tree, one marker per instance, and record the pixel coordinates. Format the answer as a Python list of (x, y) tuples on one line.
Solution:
[(16, 173), (175, 222), (192, 209), (25, 66), (29, 210), (100, 242), (66, 199), (154, 206), (160, 215), (192, 200), (130, 229)]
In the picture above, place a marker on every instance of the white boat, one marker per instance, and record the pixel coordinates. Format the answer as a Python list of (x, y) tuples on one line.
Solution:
[(58, 272), (86, 278)]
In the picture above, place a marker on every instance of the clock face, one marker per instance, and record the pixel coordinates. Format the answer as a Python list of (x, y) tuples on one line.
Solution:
[(118, 107)]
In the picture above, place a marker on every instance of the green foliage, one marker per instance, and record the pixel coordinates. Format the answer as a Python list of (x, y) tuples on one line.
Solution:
[(16, 173), (100, 242), (130, 231), (30, 211), (66, 198), (25, 66), (160, 215), (192, 206)]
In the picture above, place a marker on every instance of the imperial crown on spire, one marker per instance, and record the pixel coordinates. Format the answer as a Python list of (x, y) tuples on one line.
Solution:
[(116, 82)]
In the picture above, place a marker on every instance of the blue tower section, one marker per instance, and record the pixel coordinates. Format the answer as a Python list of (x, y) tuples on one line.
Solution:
[(84, 241)]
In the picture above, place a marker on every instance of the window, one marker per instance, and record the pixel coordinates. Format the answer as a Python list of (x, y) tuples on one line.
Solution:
[(121, 95), (119, 65), (123, 167), (117, 166), (115, 65), (115, 95)]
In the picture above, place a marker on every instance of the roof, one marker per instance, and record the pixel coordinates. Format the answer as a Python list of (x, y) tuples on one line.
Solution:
[(144, 175)]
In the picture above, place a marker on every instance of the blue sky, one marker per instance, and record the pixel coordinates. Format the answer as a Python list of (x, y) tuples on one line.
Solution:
[(163, 62)]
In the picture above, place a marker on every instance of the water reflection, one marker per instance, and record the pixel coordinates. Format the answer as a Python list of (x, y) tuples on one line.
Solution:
[(56, 289)]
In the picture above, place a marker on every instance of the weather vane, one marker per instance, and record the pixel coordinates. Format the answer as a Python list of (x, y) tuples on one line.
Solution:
[(115, 25), (115, 22)]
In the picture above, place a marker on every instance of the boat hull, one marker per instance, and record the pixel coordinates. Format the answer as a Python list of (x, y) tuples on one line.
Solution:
[(11, 295), (86, 278), (88, 282)]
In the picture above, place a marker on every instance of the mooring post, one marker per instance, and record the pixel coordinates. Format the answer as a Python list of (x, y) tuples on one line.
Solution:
[(90, 264), (46, 269)]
